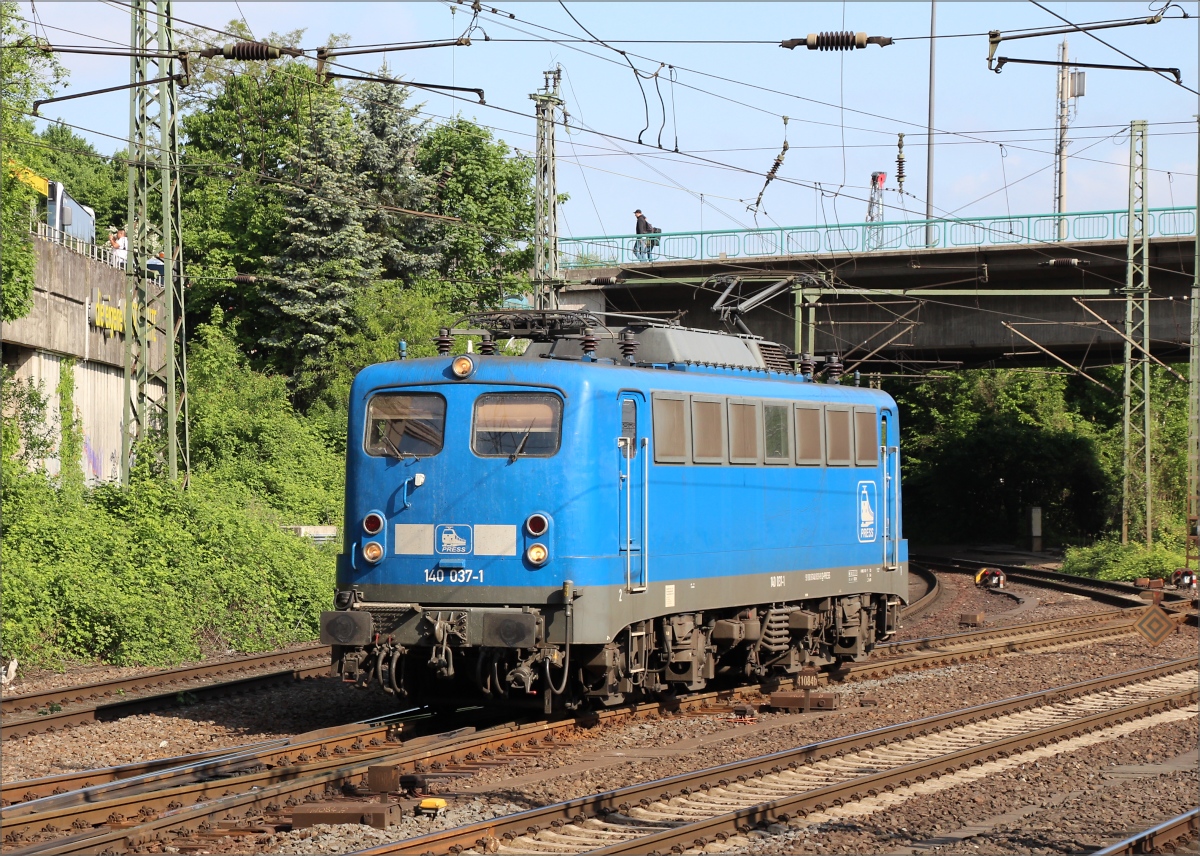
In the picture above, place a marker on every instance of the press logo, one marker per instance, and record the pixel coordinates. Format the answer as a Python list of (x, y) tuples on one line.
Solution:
[(452, 539), (866, 511)]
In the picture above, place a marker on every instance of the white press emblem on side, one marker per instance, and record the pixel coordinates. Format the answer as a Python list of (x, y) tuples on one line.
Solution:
[(866, 505)]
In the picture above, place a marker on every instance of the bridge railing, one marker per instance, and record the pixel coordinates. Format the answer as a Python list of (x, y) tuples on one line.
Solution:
[(843, 238)]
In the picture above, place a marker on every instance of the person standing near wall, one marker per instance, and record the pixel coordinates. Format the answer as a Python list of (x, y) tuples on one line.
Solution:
[(120, 248)]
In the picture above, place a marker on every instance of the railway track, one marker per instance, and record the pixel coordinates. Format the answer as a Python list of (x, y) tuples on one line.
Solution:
[(1106, 591), (255, 787), (67, 707), (850, 775), (1171, 833), (929, 599)]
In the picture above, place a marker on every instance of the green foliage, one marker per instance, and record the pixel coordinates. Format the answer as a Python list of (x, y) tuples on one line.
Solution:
[(89, 178), (389, 180), (982, 446), (1108, 559), (246, 437), (238, 152), (150, 574), (26, 74), (479, 181), (70, 443), (153, 574), (325, 254), (26, 432)]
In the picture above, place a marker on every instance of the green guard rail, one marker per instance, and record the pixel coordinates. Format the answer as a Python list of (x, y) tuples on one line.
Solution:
[(720, 244)]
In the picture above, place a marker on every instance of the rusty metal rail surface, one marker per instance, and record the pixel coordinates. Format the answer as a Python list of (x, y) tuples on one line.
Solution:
[(91, 799), (646, 818), (1173, 832), (933, 593), (34, 713), (1108, 591), (276, 777)]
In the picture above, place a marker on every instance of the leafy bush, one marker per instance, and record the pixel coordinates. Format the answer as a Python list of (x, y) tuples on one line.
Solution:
[(247, 439), (151, 574), (1111, 560)]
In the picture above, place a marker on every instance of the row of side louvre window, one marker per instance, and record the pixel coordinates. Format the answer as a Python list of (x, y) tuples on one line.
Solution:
[(719, 430)]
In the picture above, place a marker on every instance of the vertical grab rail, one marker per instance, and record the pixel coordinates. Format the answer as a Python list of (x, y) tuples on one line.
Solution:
[(891, 537), (623, 445), (884, 509), (645, 513)]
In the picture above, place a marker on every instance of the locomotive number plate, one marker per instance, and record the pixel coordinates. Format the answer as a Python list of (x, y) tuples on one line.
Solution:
[(453, 575)]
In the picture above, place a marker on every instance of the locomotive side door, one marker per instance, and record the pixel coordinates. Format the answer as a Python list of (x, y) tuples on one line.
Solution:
[(633, 464), (890, 459)]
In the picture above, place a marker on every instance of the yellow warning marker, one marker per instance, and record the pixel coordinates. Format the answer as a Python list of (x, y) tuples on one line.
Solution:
[(432, 806)]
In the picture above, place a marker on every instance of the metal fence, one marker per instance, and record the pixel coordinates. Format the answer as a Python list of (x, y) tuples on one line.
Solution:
[(100, 252), (603, 251)]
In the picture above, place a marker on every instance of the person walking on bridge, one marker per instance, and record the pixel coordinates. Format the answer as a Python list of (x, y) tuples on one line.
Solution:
[(643, 248)]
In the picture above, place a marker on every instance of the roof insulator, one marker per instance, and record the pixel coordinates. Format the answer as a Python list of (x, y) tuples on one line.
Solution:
[(838, 40), (243, 50)]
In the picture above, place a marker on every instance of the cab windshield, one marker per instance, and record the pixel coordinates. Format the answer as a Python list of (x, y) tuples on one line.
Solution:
[(405, 425), (517, 425)]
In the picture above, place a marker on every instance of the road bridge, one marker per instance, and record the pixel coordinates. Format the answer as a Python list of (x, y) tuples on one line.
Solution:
[(913, 295)]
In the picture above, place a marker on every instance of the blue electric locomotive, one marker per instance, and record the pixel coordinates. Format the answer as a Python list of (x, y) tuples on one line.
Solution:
[(614, 513)]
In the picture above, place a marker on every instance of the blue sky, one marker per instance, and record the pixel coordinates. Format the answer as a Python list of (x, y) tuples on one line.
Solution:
[(993, 157)]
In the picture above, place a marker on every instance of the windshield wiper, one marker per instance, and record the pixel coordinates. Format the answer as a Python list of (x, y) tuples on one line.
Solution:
[(395, 451), (521, 446)]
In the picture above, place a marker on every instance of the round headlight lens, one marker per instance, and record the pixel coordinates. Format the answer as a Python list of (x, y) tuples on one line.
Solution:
[(536, 525), (372, 551), (462, 366), (373, 523), (537, 554)]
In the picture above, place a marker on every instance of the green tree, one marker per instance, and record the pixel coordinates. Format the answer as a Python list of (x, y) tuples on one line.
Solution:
[(238, 159), (89, 177), (26, 74), (389, 136), (246, 436), (325, 252), (982, 446), (481, 182)]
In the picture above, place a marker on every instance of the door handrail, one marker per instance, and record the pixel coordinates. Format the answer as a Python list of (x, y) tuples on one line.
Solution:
[(645, 514)]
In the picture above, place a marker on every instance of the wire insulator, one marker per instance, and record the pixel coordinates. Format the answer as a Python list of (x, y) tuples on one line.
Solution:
[(807, 365), (589, 341), (900, 162), (834, 368), (840, 40), (252, 51), (487, 345), (443, 341), (628, 345)]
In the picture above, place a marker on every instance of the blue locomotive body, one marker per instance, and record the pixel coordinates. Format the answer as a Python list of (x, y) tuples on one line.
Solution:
[(580, 528)]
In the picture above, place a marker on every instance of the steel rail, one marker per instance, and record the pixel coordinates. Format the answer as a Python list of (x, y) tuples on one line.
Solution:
[(1111, 591), (21, 791), (486, 836), (1184, 826), (269, 779), (104, 785), (98, 702), (925, 602), (154, 680), (782, 810)]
